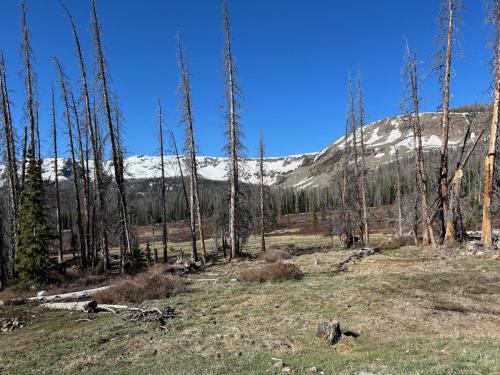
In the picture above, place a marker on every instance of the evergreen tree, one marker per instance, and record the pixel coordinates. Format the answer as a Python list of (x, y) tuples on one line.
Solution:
[(32, 257)]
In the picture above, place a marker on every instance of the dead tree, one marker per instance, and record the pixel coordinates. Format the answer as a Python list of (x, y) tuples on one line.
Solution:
[(262, 194), (398, 193), (455, 217), (233, 133), (10, 156), (100, 208), (76, 179), (173, 145), (187, 119), (115, 147), (24, 157), (489, 162), (352, 122), (444, 57), (163, 187), (56, 180), (29, 80), (84, 175), (362, 175), (412, 115)]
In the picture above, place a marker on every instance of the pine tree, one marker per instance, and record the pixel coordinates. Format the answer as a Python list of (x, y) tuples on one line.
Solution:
[(32, 258)]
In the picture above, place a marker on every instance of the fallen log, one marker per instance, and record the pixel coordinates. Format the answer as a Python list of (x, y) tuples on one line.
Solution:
[(56, 297), (358, 255), (86, 306)]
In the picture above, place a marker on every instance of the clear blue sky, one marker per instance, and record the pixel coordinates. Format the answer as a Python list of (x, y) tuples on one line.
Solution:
[(293, 57)]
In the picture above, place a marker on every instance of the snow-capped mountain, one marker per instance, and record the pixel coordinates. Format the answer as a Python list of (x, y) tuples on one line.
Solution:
[(381, 139)]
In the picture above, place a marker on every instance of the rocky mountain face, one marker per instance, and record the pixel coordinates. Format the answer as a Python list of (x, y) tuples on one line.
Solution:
[(381, 140)]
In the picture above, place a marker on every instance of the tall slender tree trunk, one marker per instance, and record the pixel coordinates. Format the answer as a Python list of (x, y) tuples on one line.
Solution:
[(11, 160), (444, 210), (398, 193), (85, 180), (489, 161), (74, 164), (163, 186), (24, 157), (362, 177), (115, 147), (184, 190), (411, 69), (100, 208), (262, 195), (56, 182), (232, 118), (194, 204)]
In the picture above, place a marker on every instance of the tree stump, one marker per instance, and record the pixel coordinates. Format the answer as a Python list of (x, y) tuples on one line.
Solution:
[(329, 330)]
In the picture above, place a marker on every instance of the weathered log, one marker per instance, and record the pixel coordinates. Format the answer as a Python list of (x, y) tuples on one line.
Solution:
[(56, 297), (86, 306)]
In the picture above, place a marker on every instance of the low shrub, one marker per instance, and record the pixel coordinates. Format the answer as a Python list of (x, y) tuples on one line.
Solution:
[(396, 242), (142, 288), (275, 255), (274, 271)]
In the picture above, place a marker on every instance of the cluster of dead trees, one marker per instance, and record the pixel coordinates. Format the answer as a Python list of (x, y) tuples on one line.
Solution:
[(447, 215), (92, 122)]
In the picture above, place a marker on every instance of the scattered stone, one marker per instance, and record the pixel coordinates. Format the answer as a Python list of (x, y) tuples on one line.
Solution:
[(330, 330), (317, 262), (479, 253), (358, 255), (312, 370), (42, 293), (286, 370)]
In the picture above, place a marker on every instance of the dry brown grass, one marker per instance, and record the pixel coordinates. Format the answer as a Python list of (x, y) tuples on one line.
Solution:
[(276, 255), (141, 288), (396, 242), (274, 271)]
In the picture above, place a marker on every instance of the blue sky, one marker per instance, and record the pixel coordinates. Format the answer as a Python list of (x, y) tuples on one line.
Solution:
[(293, 59)]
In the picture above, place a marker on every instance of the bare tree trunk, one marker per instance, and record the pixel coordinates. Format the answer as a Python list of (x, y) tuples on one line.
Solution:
[(85, 179), (29, 79), (414, 117), (24, 157), (262, 195), (76, 178), (193, 181), (362, 176), (445, 127), (115, 147), (398, 192), (232, 118), (11, 162), (163, 187), (184, 190), (56, 182), (489, 162), (94, 140)]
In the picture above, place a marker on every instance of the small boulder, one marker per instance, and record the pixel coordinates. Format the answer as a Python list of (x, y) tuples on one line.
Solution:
[(42, 293)]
